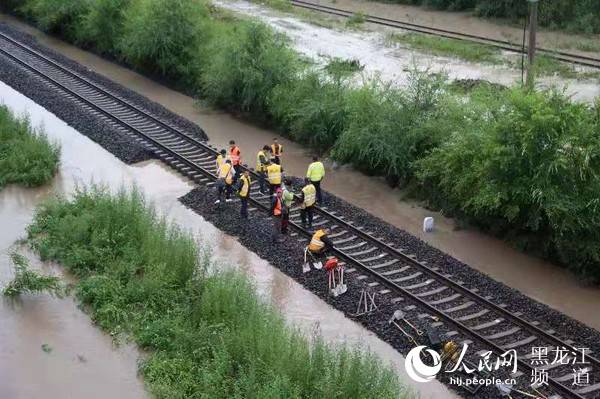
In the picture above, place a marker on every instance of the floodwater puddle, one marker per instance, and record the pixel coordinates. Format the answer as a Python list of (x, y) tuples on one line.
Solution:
[(534, 277), (391, 62), (47, 343)]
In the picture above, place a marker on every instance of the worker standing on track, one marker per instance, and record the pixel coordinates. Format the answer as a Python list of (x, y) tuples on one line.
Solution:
[(308, 198), (262, 160), (235, 155), (221, 159), (277, 210), (315, 173), (224, 181), (276, 151), (244, 193), (288, 201), (274, 175), (320, 242)]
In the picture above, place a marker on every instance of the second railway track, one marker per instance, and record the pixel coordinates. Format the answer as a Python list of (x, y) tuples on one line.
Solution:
[(382, 265), (572, 58)]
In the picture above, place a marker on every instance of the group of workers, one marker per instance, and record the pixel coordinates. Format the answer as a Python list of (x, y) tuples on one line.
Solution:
[(232, 177)]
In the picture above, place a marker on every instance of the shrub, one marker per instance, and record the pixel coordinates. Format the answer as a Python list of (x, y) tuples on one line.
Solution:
[(30, 281), (27, 157), (246, 66), (529, 174), (56, 16), (102, 25), (161, 35)]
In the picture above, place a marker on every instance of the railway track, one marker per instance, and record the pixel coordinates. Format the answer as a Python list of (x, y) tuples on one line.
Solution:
[(383, 266), (428, 30)]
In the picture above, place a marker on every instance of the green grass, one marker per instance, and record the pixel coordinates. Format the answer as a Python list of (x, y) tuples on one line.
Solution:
[(463, 50), (356, 20), (27, 157), (28, 281), (207, 333)]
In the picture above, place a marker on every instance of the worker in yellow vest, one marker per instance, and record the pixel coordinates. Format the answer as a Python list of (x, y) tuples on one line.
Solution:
[(224, 181), (308, 198), (315, 173), (220, 159), (244, 193), (274, 175), (276, 151), (320, 242), (262, 159)]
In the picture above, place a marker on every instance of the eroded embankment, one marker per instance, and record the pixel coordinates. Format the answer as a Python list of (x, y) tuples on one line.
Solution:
[(70, 111)]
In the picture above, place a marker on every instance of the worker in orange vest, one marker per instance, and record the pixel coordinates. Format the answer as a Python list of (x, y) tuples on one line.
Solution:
[(276, 151), (235, 155), (277, 210)]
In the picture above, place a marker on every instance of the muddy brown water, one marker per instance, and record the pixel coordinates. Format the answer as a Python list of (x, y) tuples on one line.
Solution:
[(83, 362), (536, 278)]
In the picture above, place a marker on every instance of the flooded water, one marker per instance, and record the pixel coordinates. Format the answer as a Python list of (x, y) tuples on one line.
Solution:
[(533, 277), (79, 351), (392, 62)]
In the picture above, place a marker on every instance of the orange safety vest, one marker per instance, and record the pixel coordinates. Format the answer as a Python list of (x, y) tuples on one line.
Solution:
[(316, 245), (234, 155), (277, 209), (276, 149)]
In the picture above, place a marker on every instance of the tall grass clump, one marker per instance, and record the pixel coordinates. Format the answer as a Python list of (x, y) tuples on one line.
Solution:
[(530, 173), (246, 67), (207, 332), (27, 157), (28, 281), (161, 36)]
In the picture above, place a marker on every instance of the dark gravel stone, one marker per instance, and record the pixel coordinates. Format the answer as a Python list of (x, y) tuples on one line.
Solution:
[(71, 112)]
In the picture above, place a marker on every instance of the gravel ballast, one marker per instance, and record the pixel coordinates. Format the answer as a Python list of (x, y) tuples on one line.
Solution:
[(72, 113)]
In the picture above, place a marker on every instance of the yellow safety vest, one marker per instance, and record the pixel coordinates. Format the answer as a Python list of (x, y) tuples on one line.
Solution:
[(315, 171), (260, 167), (310, 195), (274, 173), (225, 173), (276, 149), (316, 244), (246, 181), (220, 160)]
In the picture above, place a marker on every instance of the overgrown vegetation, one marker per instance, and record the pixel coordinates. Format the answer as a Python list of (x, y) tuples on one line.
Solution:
[(208, 333), (28, 281), (27, 157), (400, 132), (571, 15)]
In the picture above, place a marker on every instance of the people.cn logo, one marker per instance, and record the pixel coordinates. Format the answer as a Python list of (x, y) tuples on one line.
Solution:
[(419, 371)]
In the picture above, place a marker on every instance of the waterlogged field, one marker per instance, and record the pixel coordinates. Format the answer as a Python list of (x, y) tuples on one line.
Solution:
[(522, 165), (208, 334), (27, 157)]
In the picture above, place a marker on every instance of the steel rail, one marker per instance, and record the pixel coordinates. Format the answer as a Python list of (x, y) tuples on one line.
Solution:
[(193, 165), (500, 44)]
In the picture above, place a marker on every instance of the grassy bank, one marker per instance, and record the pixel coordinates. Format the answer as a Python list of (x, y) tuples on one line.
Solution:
[(207, 332), (26, 156), (411, 134)]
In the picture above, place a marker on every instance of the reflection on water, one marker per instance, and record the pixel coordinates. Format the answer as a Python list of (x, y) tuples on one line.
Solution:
[(80, 352)]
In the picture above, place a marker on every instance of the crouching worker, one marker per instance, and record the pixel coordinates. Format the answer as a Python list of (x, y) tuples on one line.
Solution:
[(224, 181), (320, 242)]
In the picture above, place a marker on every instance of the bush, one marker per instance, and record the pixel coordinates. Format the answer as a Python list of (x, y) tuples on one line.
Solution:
[(102, 25), (56, 16), (245, 68), (529, 174), (161, 35), (26, 155), (388, 128), (207, 335)]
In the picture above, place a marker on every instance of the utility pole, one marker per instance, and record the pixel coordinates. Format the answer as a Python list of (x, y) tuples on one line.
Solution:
[(533, 13)]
